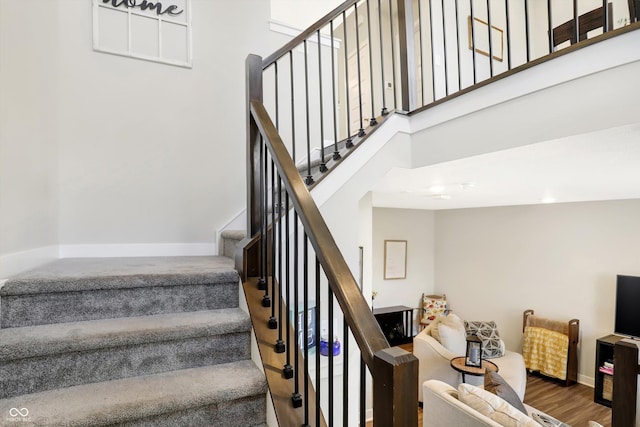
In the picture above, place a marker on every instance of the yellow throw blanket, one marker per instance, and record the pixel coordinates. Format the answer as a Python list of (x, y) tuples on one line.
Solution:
[(545, 351)]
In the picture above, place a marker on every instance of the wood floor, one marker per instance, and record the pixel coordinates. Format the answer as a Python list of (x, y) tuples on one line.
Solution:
[(573, 405)]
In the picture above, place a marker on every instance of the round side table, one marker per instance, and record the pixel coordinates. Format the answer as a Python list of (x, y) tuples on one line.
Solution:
[(457, 363)]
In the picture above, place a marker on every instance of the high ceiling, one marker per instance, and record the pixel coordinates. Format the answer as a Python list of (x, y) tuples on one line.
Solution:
[(602, 165)]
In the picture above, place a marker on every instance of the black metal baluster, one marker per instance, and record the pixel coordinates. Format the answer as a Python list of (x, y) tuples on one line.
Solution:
[(393, 56), (384, 110), (275, 68), (490, 38), (336, 152), (309, 179), (273, 320), (444, 55), (323, 165), (605, 17), (305, 321), (458, 46), (317, 327), (293, 109), (421, 49), (372, 120), (576, 21), (473, 40), (526, 28), (330, 341), (506, 8), (363, 395), (280, 346), (361, 130), (266, 299), (550, 26), (349, 142), (287, 369), (296, 397), (262, 282), (433, 58), (345, 373)]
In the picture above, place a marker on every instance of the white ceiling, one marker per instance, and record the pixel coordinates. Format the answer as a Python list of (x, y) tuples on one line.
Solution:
[(602, 165)]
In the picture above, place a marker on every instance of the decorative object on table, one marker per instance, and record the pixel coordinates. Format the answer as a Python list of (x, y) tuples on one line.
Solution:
[(395, 259), (324, 346), (474, 351)]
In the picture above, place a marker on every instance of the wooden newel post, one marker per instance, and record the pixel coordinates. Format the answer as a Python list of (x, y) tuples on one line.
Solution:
[(395, 388), (253, 66), (247, 261), (625, 384)]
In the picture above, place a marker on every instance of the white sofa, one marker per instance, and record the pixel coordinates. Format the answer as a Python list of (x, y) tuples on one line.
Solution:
[(434, 363), (442, 408)]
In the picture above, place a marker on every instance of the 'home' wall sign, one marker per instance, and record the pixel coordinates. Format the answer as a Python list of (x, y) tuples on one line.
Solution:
[(158, 31), (144, 5)]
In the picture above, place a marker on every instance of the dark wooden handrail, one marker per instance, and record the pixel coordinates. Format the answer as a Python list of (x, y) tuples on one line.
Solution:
[(364, 327)]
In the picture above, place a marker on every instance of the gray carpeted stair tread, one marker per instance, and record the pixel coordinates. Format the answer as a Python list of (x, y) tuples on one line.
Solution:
[(78, 274), (130, 399), (35, 341), (234, 234), (105, 288)]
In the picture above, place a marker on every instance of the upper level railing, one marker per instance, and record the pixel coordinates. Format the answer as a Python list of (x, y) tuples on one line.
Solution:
[(309, 105)]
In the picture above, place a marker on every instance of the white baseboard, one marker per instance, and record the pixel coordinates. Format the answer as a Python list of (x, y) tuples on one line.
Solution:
[(18, 262), (369, 414), (586, 380), (137, 250)]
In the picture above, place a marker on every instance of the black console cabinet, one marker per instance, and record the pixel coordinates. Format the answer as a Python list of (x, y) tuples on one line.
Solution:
[(618, 391), (604, 353), (396, 323)]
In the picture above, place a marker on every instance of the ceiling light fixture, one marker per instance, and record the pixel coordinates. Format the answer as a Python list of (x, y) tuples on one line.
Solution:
[(467, 185), (436, 188), (441, 197), (548, 199)]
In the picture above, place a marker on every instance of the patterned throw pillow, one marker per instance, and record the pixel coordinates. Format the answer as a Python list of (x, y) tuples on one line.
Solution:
[(492, 345), (432, 307), (494, 407)]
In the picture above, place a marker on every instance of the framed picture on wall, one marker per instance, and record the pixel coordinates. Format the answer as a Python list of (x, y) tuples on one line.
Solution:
[(479, 38), (306, 331), (395, 259)]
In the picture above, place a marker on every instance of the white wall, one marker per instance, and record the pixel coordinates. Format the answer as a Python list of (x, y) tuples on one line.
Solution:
[(28, 134), (301, 13), (560, 260), (102, 150), (417, 228), (151, 153)]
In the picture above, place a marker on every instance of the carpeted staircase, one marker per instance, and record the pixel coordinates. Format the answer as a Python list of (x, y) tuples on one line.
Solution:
[(128, 342)]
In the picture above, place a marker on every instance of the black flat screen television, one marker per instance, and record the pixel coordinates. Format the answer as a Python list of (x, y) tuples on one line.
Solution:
[(628, 306)]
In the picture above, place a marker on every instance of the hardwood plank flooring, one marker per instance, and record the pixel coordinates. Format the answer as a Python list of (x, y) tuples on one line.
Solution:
[(573, 405)]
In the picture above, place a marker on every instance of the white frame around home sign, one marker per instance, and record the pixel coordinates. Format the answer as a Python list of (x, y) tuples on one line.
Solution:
[(124, 27)]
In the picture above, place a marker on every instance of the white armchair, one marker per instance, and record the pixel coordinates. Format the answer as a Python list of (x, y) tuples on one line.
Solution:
[(434, 364)]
